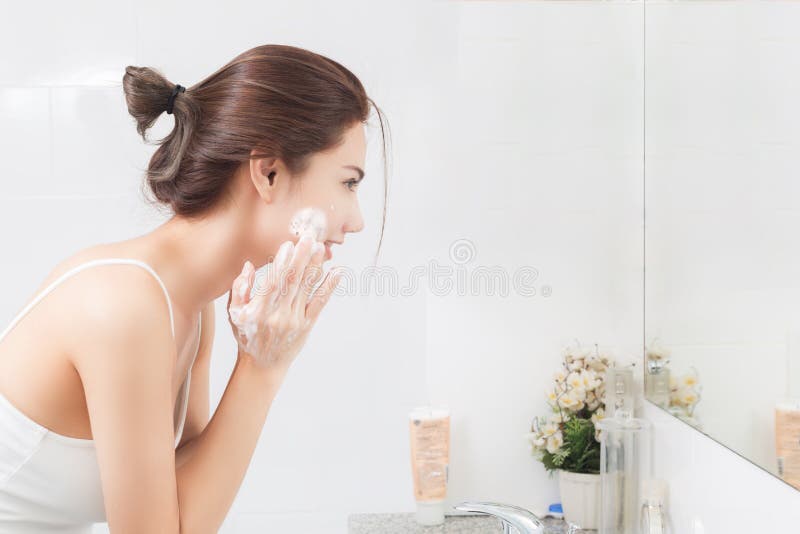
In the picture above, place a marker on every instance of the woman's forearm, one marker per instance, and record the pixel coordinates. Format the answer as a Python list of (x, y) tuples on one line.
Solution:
[(211, 467)]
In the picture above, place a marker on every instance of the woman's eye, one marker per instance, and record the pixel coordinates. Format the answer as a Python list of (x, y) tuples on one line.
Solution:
[(351, 183)]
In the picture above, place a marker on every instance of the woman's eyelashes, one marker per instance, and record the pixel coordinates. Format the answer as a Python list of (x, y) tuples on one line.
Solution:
[(352, 183)]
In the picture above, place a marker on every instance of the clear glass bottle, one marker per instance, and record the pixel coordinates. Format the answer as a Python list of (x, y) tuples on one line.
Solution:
[(625, 462), (619, 396), (654, 516), (656, 383)]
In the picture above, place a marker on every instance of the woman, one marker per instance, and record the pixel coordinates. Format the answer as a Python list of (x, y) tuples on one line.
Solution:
[(98, 421)]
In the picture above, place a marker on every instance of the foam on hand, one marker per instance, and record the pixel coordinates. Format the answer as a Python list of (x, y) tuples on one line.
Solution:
[(277, 265)]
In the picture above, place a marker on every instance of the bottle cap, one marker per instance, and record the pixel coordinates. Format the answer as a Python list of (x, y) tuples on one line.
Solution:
[(430, 512), (555, 510), (429, 412)]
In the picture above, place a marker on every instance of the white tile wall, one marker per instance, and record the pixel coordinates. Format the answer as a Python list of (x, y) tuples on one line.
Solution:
[(516, 125)]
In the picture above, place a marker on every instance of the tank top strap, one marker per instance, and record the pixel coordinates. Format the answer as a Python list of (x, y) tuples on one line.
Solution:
[(85, 265)]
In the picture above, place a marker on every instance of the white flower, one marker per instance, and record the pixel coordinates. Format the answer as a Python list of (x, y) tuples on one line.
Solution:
[(605, 357), (554, 443), (579, 394), (687, 397), (689, 380), (684, 397), (558, 417), (575, 354), (596, 364), (591, 380), (560, 377), (575, 379), (576, 365), (657, 352), (549, 429), (567, 401), (598, 415), (552, 397), (536, 440)]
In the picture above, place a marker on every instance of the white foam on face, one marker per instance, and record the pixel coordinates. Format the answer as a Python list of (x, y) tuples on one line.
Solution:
[(309, 220)]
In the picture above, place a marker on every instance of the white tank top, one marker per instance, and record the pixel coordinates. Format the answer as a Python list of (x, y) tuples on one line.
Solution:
[(50, 482)]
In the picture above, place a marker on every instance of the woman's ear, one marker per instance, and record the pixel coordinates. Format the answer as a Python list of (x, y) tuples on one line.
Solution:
[(262, 173)]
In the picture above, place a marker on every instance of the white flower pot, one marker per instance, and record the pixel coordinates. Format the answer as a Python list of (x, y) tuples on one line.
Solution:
[(580, 498)]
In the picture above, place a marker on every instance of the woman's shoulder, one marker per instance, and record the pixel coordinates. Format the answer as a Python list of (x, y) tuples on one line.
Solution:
[(113, 299), (80, 257)]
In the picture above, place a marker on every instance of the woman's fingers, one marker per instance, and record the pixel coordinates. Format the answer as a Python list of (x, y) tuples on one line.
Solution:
[(239, 297), (240, 290), (241, 286), (272, 274), (272, 325), (311, 276), (322, 295), (293, 274)]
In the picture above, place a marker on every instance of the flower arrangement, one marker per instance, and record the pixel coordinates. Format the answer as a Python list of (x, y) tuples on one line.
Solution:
[(657, 356), (684, 391), (567, 439), (684, 396)]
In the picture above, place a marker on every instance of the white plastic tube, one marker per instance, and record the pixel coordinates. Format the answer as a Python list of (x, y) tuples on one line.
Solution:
[(429, 431)]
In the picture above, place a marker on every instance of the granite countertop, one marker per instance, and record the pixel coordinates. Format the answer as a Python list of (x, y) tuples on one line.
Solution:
[(453, 524)]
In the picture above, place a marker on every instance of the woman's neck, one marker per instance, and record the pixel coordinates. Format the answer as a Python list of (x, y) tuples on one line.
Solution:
[(197, 259)]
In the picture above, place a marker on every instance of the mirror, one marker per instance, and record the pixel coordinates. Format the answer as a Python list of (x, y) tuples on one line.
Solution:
[(722, 223)]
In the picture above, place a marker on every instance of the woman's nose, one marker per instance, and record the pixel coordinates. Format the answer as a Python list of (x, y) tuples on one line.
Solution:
[(355, 223)]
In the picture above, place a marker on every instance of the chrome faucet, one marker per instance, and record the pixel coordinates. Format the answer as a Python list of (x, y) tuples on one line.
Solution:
[(515, 520)]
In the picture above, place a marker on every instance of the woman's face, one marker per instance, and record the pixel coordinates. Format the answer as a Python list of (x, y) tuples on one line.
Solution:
[(325, 195)]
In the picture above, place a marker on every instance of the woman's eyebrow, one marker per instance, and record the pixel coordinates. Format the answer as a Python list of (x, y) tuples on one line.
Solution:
[(357, 169)]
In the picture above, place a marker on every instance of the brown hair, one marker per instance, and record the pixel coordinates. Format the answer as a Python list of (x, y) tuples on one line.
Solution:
[(281, 100)]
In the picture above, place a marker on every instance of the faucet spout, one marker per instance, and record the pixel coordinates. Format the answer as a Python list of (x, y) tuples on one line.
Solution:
[(519, 519)]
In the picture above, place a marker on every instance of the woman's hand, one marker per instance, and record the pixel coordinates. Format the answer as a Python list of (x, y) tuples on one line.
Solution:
[(273, 324)]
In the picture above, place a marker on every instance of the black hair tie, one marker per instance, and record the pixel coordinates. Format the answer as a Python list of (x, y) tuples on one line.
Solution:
[(178, 88)]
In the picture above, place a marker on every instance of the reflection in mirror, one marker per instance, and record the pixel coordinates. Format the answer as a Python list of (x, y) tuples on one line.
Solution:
[(722, 213)]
